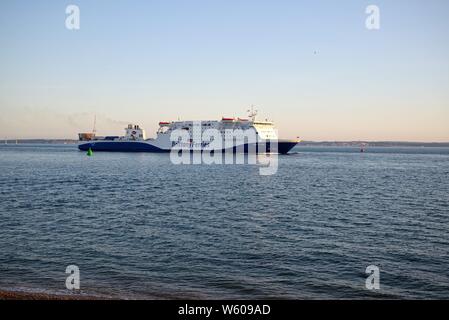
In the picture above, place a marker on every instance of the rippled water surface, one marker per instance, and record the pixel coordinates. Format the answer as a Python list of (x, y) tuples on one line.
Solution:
[(140, 227)]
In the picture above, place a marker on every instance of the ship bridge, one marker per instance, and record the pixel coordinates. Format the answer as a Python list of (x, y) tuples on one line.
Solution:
[(134, 132)]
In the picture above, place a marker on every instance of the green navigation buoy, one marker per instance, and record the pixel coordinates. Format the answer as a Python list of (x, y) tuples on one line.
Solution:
[(89, 152)]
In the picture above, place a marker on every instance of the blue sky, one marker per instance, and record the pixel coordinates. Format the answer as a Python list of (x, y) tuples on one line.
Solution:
[(311, 66)]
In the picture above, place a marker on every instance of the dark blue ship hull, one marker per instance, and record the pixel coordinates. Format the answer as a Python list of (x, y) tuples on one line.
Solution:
[(135, 146), (120, 146)]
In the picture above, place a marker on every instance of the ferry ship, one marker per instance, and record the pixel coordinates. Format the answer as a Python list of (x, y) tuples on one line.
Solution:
[(262, 133)]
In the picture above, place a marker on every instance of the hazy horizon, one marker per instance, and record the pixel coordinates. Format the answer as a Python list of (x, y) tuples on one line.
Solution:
[(310, 66)]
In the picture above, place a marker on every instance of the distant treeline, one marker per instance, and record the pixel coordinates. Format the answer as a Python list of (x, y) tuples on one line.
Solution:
[(304, 143), (40, 141), (374, 144)]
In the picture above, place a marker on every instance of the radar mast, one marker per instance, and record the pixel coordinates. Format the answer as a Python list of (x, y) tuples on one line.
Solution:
[(252, 113)]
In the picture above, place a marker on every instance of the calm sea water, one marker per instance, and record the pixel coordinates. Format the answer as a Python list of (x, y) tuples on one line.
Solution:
[(140, 227)]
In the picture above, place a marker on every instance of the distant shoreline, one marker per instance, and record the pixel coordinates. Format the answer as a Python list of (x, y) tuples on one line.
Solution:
[(374, 144), (302, 143)]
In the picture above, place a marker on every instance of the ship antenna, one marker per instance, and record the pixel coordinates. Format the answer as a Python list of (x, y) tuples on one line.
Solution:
[(95, 124), (252, 113)]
